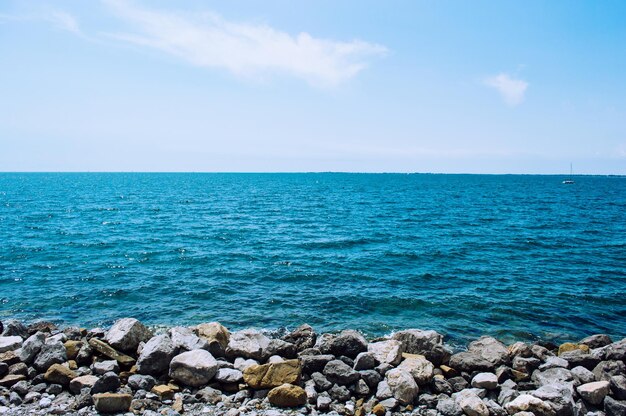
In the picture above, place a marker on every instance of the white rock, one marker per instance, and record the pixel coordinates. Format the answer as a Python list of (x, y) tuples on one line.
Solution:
[(193, 368), (156, 355), (184, 338), (528, 403), (248, 343), (103, 367), (402, 385), (31, 347), (595, 392), (420, 368), (487, 381), (10, 343), (126, 334), (79, 383), (387, 351), (241, 363), (228, 375), (471, 403)]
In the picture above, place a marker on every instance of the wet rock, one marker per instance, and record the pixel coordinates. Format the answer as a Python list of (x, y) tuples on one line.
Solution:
[(156, 355), (109, 382), (528, 403), (490, 349), (595, 392), (10, 343), (108, 351), (272, 375), (248, 343), (193, 368), (102, 367), (228, 375), (470, 361), (402, 385), (302, 337), (419, 367), (487, 381), (471, 403), (31, 347), (339, 372), (287, 395), (365, 361), (607, 369), (141, 382), (596, 341), (216, 335), (349, 343), (387, 351), (112, 402), (59, 374), (126, 334), (184, 339)]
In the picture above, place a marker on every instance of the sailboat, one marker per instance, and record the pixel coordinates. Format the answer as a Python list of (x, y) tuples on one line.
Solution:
[(569, 181)]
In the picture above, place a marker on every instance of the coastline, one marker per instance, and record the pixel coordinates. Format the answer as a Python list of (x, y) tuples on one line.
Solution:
[(206, 369)]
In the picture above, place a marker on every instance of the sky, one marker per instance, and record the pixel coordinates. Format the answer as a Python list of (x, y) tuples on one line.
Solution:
[(313, 85)]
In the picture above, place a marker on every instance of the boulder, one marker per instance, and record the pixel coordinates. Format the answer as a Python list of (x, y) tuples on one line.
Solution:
[(13, 327), (141, 382), (551, 376), (228, 375), (184, 339), (31, 347), (302, 337), (596, 341), (341, 373), (420, 368), (402, 385), (471, 403), (616, 350), (108, 351), (618, 386), (387, 351), (156, 355), (487, 381), (102, 367), (579, 357), (365, 361), (278, 347), (595, 392), (448, 407), (83, 382), (50, 354), (72, 348), (315, 363), (339, 393), (528, 403), (551, 362), (216, 335), (248, 343), (287, 395), (349, 343), (193, 368), (126, 334), (582, 375), (490, 349), (10, 343), (607, 369), (470, 362), (109, 382), (271, 375), (321, 382), (11, 379), (59, 374), (112, 402), (416, 341), (614, 407), (560, 396)]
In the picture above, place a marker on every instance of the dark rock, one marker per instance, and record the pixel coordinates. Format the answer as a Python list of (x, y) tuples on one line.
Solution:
[(579, 357), (54, 389), (141, 382), (596, 341), (490, 349), (31, 347), (551, 376), (618, 387), (339, 393), (109, 382), (156, 356), (4, 369), (19, 368), (281, 348), (43, 326), (441, 386), (13, 327), (458, 383), (321, 382), (339, 372), (50, 354), (614, 407), (470, 361), (315, 363), (302, 337), (616, 350), (349, 343), (607, 369), (365, 361)]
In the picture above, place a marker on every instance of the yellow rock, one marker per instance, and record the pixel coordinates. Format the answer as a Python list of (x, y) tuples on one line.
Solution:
[(448, 372), (165, 392), (519, 376), (360, 411), (107, 350), (271, 375), (59, 374), (72, 348), (112, 402), (72, 365), (569, 346), (216, 334), (379, 410), (287, 395), (178, 405)]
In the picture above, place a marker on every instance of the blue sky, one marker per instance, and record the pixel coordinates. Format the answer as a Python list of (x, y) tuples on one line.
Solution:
[(283, 85)]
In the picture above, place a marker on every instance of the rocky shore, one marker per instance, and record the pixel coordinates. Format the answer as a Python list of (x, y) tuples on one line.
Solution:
[(208, 370)]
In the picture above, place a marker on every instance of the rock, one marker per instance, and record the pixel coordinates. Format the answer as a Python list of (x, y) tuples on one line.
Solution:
[(112, 402), (84, 356), (487, 381), (13, 327), (448, 407), (339, 372), (209, 395), (164, 391), (228, 375), (551, 376), (315, 363), (582, 375), (595, 392), (156, 355), (420, 368), (579, 357), (248, 343), (339, 393), (83, 382), (618, 386), (383, 391), (109, 382), (360, 388), (349, 343), (321, 382), (387, 351), (607, 369), (102, 367), (507, 395), (402, 385), (108, 351), (59, 374), (126, 334), (281, 348), (551, 362), (11, 379), (596, 341), (490, 349), (302, 337), (323, 402), (19, 368), (4, 369), (272, 375), (193, 368), (141, 382), (568, 346), (616, 350), (365, 361), (379, 410), (10, 343), (528, 403), (560, 396), (471, 403), (184, 339), (614, 407), (469, 362), (31, 347), (287, 395), (216, 335), (241, 363), (416, 341)]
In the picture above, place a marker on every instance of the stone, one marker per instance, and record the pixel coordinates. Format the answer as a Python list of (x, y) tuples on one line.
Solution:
[(582, 375), (112, 402), (141, 382), (208, 395), (339, 393), (618, 387), (321, 382), (487, 381), (387, 351), (323, 402), (416, 341), (101, 367), (184, 339), (4, 369), (19, 368), (520, 349), (616, 350), (560, 396), (156, 355), (287, 395), (607, 369), (193, 368), (402, 385), (471, 403), (108, 351), (614, 407), (349, 343), (339, 372), (315, 363), (278, 347), (59, 374), (302, 337), (11, 379), (383, 391), (490, 349), (365, 361), (595, 392), (248, 343), (164, 391), (216, 335), (469, 362), (241, 363), (579, 357), (85, 355), (126, 334), (271, 375), (596, 341), (82, 382), (552, 362), (449, 407), (379, 410), (420, 368), (109, 382), (228, 375), (10, 343), (31, 347), (13, 327), (528, 403), (551, 376), (507, 395), (360, 388)]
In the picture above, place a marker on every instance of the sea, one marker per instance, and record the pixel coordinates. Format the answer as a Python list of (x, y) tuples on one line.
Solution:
[(519, 257)]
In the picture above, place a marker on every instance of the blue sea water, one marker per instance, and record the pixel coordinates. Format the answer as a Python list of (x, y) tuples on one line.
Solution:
[(518, 257)]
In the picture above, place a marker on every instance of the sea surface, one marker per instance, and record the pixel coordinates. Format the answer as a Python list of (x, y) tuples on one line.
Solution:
[(517, 257)]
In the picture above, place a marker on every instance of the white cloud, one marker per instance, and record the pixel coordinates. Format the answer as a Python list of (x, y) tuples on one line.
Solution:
[(512, 90), (247, 49), (64, 21)]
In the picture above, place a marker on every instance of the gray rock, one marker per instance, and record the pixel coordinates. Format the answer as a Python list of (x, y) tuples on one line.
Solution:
[(241, 363), (13, 327), (349, 343), (102, 367), (156, 355), (528, 403), (184, 339), (339, 372), (360, 388), (490, 349), (315, 363), (471, 403), (582, 375), (416, 341), (302, 337), (10, 343), (227, 375), (402, 385), (365, 361), (614, 407), (578, 357), (193, 368), (281, 348), (339, 393), (449, 407), (248, 343), (596, 341), (440, 385), (458, 383), (618, 387), (31, 347), (389, 351), (607, 369), (371, 377), (487, 381), (470, 362), (494, 408), (82, 382), (141, 382), (109, 382), (209, 395), (507, 395), (390, 403), (49, 354), (22, 388), (126, 334), (321, 382), (560, 396), (383, 391), (311, 393), (552, 362), (595, 392), (616, 350), (15, 398), (323, 401), (552, 376)]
